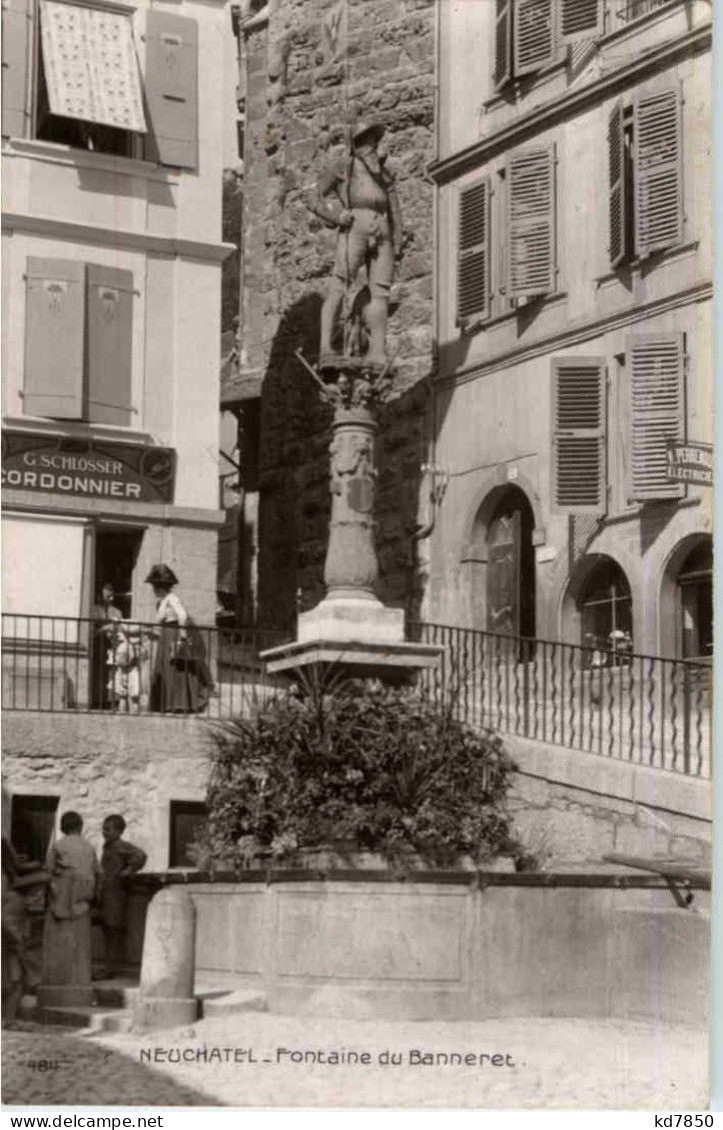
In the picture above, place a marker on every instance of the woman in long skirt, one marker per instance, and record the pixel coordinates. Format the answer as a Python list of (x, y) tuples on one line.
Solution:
[(177, 683), (74, 872)]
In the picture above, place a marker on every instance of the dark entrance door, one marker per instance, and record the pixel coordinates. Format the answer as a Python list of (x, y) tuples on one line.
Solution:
[(503, 574), (116, 551)]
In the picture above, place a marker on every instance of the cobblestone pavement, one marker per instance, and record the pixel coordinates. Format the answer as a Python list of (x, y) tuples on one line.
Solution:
[(546, 1063)]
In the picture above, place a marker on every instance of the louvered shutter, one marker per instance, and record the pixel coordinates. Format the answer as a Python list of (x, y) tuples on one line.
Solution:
[(172, 88), (579, 435), (534, 35), (110, 344), (473, 269), (580, 19), (657, 405), (658, 171), (17, 36), (54, 338), (616, 167), (531, 223), (503, 43)]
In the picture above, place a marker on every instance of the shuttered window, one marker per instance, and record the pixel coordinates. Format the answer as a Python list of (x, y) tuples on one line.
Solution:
[(54, 338), (78, 341), (531, 223), (110, 342), (90, 66), (579, 435), (618, 188), (534, 35), (503, 42), (473, 267), (172, 88), (658, 171), (657, 407), (17, 36), (580, 19)]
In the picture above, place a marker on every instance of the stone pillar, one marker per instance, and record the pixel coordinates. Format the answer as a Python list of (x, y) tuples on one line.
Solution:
[(351, 628), (351, 610), (168, 967), (351, 562)]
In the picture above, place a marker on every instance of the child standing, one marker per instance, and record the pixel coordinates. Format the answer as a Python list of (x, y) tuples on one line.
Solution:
[(119, 860)]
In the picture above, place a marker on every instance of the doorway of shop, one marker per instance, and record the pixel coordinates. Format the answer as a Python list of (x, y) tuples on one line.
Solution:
[(116, 553)]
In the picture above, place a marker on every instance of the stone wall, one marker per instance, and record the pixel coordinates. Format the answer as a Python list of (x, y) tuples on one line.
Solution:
[(102, 763), (231, 214), (573, 807), (295, 113)]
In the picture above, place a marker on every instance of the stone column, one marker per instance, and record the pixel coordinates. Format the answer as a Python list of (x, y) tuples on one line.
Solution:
[(351, 567), (351, 610), (168, 967)]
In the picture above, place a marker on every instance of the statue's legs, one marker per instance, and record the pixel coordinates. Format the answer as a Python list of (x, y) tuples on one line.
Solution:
[(350, 250), (381, 270), (329, 312)]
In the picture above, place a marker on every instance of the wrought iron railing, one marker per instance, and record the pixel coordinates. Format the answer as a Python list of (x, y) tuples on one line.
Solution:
[(57, 663), (617, 704)]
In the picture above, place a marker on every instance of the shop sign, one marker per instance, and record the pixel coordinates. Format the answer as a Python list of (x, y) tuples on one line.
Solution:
[(690, 463), (87, 467)]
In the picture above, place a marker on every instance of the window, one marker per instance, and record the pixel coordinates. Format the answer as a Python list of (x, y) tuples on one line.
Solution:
[(88, 89), (657, 396), (532, 34), (580, 477), (32, 824), (76, 80), (520, 213), (78, 341), (645, 175), (187, 816), (606, 612), (579, 440)]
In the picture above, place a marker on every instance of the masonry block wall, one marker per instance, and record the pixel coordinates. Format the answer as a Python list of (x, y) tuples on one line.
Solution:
[(99, 763), (296, 109)]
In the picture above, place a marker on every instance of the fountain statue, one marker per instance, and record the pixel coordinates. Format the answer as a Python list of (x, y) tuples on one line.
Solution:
[(357, 196)]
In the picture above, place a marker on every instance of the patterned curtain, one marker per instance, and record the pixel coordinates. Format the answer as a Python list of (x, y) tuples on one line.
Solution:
[(90, 65)]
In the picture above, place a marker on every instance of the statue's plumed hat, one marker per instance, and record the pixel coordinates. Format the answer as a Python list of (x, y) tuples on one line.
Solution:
[(363, 126), (161, 575)]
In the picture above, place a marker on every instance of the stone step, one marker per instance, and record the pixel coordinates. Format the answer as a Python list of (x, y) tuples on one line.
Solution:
[(93, 1018), (237, 1000), (116, 994), (114, 1001)]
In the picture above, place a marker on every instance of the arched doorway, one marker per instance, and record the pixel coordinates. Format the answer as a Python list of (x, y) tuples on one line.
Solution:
[(695, 601), (510, 596), (686, 600)]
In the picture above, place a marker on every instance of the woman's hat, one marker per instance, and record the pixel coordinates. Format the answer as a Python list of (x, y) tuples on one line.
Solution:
[(161, 575)]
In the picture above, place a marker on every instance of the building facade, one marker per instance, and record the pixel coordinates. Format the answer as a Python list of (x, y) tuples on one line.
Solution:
[(112, 151), (573, 320), (112, 261)]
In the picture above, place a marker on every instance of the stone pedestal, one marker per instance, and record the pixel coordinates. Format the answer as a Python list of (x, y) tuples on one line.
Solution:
[(166, 997), (351, 627)]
